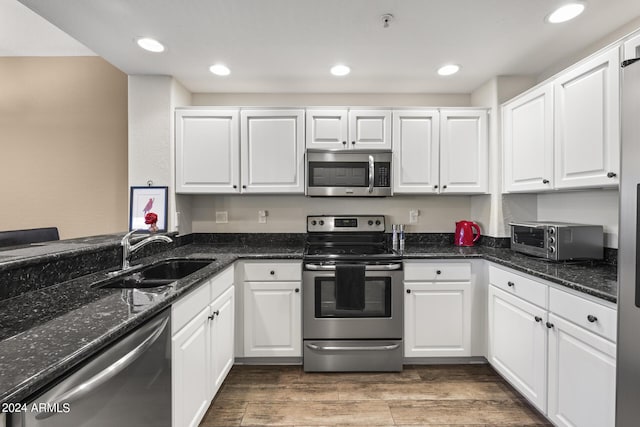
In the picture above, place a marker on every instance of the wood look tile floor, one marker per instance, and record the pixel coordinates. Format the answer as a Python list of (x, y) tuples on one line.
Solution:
[(421, 395)]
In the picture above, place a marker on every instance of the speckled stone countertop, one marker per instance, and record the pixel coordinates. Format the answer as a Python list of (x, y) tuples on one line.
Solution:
[(593, 278), (46, 332)]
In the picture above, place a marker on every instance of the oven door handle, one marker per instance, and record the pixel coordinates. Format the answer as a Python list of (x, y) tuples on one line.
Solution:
[(371, 267), (371, 173), (387, 347)]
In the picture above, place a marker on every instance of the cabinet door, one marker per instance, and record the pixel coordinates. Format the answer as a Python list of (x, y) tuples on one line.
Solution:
[(587, 134), (632, 47), (518, 344), (272, 319), (464, 156), (327, 129), (222, 338), (416, 137), (190, 371), (207, 151), (272, 144), (437, 319), (582, 376), (528, 141), (370, 129)]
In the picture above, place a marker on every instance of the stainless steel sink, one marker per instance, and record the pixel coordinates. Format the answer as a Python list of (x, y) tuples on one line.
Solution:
[(157, 274)]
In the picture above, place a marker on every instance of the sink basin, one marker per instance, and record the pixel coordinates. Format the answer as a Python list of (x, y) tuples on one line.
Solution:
[(174, 269), (160, 273)]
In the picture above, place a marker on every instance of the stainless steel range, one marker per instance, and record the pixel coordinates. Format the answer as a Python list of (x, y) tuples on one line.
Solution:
[(352, 296)]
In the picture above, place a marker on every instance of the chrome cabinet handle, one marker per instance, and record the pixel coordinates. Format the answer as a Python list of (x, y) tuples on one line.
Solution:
[(510, 284), (611, 175), (538, 319), (591, 318), (371, 175), (545, 181), (550, 325), (106, 374)]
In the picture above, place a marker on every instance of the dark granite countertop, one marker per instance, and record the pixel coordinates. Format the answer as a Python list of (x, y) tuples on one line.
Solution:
[(46, 332)]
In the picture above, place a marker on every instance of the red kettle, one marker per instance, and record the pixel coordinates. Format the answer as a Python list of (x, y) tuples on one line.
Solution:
[(464, 233)]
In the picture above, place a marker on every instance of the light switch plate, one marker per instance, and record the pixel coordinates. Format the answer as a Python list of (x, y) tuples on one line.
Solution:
[(413, 216)]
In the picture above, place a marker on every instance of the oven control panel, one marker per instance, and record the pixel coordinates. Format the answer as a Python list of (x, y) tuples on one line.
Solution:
[(345, 223)]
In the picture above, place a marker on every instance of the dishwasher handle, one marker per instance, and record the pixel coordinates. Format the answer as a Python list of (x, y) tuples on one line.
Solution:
[(368, 267), (109, 372)]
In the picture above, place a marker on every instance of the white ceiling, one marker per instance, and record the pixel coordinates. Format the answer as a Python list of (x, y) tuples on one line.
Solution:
[(289, 45)]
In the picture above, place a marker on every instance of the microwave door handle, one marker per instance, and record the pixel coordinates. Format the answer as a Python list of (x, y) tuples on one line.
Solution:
[(371, 175)]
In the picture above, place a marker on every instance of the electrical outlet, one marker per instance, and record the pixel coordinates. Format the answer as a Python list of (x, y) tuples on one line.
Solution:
[(222, 217), (262, 216), (413, 216)]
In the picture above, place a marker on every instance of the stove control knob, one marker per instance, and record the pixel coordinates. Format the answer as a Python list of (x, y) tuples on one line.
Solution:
[(370, 222), (314, 222), (321, 222), (377, 222), (551, 249), (552, 240)]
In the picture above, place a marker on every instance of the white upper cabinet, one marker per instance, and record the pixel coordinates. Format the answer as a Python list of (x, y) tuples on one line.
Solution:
[(632, 47), (239, 151), (327, 129), (370, 129), (528, 141), (587, 126), (207, 151), (416, 145), (464, 146), (272, 143), (345, 129), (440, 151)]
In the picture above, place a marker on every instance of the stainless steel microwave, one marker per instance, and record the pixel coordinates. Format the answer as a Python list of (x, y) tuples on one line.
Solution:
[(557, 241), (349, 173)]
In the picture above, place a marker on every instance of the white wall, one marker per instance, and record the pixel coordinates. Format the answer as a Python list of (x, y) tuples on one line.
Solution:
[(288, 213), (584, 207), (152, 100), (330, 99)]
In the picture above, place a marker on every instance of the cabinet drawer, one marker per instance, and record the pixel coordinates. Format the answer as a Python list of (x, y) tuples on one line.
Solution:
[(221, 283), (267, 271), (592, 316), (189, 306), (524, 287), (437, 272)]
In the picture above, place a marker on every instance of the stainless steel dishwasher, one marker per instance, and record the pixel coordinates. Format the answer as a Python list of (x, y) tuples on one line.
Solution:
[(127, 385)]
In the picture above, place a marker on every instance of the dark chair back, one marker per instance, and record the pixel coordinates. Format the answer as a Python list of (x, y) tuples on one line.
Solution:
[(24, 237)]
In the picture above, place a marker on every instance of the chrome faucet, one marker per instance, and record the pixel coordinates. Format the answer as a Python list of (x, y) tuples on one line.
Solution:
[(128, 249)]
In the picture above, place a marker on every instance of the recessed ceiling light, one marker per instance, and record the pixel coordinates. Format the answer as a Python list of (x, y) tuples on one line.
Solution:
[(150, 44), (447, 70), (220, 70), (565, 13), (340, 70)]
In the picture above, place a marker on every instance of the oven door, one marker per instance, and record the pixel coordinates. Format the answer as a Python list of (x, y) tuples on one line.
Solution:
[(381, 317), (529, 239)]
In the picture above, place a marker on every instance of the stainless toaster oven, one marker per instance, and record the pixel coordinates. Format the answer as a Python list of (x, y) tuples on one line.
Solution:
[(557, 241)]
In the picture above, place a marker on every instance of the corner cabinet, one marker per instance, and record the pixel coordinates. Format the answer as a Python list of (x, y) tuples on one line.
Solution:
[(587, 128), (239, 151), (441, 151), (556, 348), (202, 347), (207, 151), (527, 128), (348, 129)]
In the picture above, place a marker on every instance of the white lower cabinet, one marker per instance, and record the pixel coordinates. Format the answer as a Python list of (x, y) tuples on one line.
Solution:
[(272, 309), (202, 347), (437, 309), (582, 376), (555, 347), (518, 344)]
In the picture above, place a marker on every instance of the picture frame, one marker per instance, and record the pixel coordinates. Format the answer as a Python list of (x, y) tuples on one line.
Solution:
[(144, 200)]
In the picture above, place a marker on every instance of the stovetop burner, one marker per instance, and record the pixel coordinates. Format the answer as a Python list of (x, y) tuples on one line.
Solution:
[(358, 237)]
